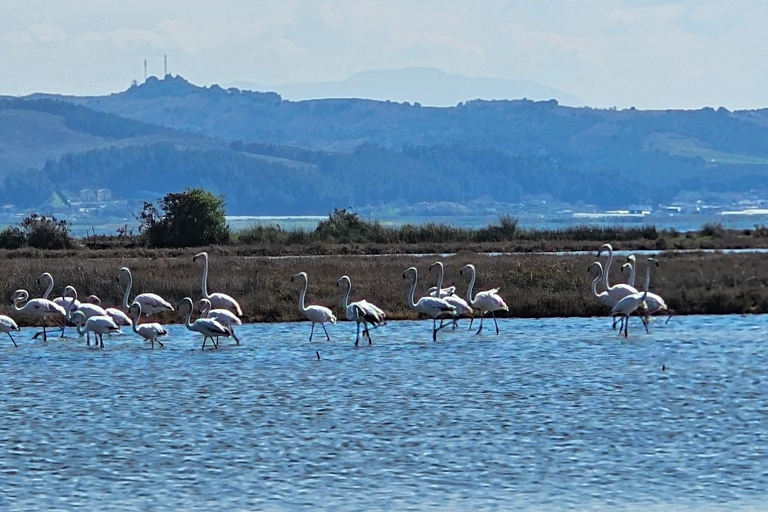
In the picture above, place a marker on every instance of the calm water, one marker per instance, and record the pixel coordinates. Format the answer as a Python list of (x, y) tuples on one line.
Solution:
[(553, 414)]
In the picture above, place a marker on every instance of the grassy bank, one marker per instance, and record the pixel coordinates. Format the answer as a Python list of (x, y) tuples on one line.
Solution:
[(533, 285)]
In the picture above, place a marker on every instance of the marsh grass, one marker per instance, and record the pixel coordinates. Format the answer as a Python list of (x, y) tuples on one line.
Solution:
[(533, 285)]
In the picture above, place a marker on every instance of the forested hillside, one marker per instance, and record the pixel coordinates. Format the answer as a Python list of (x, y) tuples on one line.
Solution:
[(267, 155)]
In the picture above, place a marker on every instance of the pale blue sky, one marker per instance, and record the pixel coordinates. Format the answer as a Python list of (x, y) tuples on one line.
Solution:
[(650, 54)]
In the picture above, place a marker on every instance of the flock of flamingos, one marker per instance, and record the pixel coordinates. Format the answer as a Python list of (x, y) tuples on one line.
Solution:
[(220, 313)]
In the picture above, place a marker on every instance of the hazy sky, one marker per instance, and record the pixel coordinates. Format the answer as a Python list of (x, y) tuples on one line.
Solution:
[(650, 54)]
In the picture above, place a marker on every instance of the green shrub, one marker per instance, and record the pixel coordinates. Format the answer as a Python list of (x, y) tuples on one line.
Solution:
[(713, 229), (47, 232), (191, 218), (12, 237)]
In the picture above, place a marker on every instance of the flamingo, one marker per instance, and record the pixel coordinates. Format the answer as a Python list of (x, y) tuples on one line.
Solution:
[(7, 325), (632, 302), (631, 264), (431, 306), (208, 327), (461, 306), (618, 291), (604, 297), (150, 331), (218, 300), (61, 301), (486, 301), (115, 314), (151, 303), (444, 292), (99, 325), (315, 314), (88, 310), (361, 311), (224, 316), (655, 304), (42, 308)]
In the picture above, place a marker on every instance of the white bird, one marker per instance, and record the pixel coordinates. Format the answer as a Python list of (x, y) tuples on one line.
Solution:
[(41, 308), (88, 310), (361, 311), (631, 303), (430, 306), (64, 302), (208, 327), (487, 301), (315, 314), (655, 304), (150, 331), (618, 291), (631, 262), (444, 292), (7, 325), (224, 316), (605, 298), (462, 308), (99, 325), (218, 300), (151, 303), (115, 314)]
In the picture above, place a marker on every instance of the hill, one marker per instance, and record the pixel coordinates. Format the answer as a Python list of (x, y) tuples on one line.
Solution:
[(270, 155)]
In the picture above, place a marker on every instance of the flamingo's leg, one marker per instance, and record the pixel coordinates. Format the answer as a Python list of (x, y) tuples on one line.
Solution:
[(14, 341), (328, 338), (493, 315), (312, 332)]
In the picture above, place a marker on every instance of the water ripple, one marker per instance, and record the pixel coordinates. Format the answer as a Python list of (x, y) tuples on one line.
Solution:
[(554, 414)]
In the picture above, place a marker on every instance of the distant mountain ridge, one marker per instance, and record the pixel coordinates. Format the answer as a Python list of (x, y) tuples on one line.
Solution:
[(269, 154), (428, 86)]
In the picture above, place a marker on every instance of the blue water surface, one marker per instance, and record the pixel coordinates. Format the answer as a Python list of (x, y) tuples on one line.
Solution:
[(552, 414)]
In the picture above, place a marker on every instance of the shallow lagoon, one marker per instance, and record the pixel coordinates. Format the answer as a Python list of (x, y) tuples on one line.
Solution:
[(556, 414)]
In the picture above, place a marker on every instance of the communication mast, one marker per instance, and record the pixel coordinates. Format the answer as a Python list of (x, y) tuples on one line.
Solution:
[(165, 65), (145, 70)]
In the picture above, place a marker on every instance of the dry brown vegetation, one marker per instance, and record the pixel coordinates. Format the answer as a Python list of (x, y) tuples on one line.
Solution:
[(533, 285)]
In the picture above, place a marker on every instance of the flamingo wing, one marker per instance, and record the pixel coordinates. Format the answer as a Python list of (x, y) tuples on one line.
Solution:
[(224, 301), (320, 314), (152, 303), (118, 316)]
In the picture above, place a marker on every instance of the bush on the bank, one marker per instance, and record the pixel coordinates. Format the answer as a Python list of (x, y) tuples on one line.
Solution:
[(43, 232), (191, 218), (713, 229), (12, 237)]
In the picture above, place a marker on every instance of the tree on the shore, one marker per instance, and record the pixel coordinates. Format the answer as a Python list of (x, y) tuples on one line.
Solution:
[(191, 218)]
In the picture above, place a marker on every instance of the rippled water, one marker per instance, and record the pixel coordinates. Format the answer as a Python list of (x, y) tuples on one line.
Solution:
[(554, 414)]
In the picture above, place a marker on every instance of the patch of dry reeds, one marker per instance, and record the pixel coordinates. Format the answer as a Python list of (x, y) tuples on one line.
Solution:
[(533, 285)]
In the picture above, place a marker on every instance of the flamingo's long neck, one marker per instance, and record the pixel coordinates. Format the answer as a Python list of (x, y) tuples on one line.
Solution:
[(71, 304), (205, 277), (187, 320), (127, 290), (206, 309), (632, 273), (411, 291), (608, 268), (349, 291), (470, 300), (50, 287), (80, 325), (23, 298), (302, 294), (440, 281), (647, 279), (596, 280), (136, 319)]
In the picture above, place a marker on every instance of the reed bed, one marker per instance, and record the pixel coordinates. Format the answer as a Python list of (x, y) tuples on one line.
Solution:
[(533, 285)]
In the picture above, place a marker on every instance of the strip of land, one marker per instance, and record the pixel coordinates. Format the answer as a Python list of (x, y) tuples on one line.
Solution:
[(533, 285)]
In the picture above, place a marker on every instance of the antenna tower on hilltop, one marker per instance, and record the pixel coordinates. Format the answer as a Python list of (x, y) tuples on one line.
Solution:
[(145, 70), (165, 65)]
